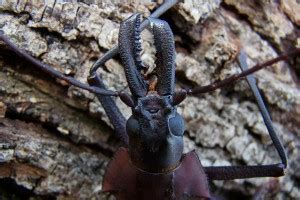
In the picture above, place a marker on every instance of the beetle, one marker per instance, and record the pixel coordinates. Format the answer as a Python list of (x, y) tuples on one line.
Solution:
[(156, 110)]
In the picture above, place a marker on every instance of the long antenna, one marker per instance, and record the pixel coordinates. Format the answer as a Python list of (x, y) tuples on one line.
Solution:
[(50, 70), (235, 77)]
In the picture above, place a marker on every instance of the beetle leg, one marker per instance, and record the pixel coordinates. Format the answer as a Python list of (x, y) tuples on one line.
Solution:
[(241, 172), (114, 114), (264, 112)]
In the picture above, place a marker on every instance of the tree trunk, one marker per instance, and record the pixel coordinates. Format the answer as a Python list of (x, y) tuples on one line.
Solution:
[(56, 140)]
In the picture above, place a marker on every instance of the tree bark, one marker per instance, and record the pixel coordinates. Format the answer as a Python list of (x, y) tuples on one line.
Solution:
[(56, 140)]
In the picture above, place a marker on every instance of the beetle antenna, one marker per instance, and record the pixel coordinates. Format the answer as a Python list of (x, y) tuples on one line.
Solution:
[(56, 74), (235, 77)]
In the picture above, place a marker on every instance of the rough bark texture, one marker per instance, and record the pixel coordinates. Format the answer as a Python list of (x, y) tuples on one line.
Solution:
[(55, 140)]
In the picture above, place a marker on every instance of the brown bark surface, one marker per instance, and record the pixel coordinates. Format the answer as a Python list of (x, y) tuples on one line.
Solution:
[(55, 140)]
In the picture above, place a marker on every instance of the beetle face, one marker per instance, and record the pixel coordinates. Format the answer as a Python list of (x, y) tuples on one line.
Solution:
[(155, 134), (154, 112)]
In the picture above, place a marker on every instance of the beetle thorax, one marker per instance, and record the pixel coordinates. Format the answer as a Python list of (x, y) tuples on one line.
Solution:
[(155, 134)]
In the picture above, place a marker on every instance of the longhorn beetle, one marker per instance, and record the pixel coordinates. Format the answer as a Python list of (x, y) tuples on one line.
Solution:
[(151, 163)]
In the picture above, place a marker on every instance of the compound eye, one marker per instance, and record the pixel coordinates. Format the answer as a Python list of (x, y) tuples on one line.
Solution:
[(176, 125)]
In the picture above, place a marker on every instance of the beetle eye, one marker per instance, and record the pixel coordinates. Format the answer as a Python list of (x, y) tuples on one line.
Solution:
[(176, 125)]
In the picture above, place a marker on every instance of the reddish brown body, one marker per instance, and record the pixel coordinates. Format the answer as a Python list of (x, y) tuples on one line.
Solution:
[(125, 181)]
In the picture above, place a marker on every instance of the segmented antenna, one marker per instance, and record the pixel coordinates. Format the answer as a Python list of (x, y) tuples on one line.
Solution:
[(137, 44)]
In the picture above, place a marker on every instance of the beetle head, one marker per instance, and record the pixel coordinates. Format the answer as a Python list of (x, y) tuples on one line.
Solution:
[(155, 134)]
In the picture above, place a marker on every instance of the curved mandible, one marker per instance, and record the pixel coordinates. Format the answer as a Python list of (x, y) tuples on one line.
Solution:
[(165, 56), (130, 48)]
